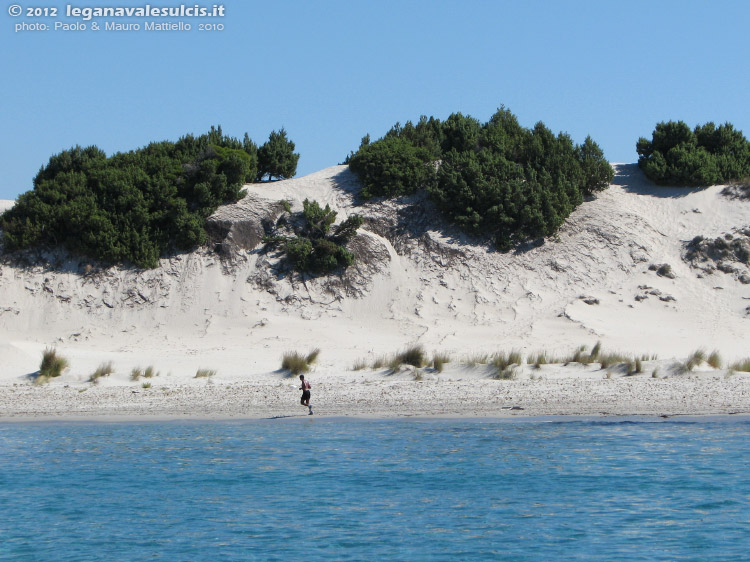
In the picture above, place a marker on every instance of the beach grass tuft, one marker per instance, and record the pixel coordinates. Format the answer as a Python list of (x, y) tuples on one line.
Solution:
[(413, 355), (594, 355), (136, 373), (52, 364), (312, 357), (103, 370), (380, 362), (742, 365), (715, 360), (146, 385), (476, 359), (359, 365), (696, 358), (508, 373), (295, 363), (439, 360), (205, 373), (502, 360)]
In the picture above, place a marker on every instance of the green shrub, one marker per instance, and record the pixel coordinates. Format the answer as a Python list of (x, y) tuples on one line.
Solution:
[(496, 179), (52, 364), (707, 155), (133, 206), (314, 247), (205, 373), (393, 166)]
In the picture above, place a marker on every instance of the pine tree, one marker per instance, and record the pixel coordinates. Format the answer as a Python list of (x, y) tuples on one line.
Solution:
[(276, 158)]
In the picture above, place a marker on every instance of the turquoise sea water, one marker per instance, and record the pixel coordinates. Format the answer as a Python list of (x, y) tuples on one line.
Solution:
[(318, 489)]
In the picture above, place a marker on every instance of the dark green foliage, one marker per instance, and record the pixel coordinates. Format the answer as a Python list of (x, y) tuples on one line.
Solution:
[(393, 166), (704, 156), (314, 248), (496, 178), (133, 206), (276, 158)]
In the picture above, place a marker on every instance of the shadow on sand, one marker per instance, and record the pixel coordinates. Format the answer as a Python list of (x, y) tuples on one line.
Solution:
[(631, 178)]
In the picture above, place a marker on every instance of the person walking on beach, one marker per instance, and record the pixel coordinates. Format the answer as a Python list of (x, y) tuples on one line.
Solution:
[(305, 388)]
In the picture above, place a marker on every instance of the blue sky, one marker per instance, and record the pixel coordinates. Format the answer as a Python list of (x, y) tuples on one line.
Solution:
[(330, 71)]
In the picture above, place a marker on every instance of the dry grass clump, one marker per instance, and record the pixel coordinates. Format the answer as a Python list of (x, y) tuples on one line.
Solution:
[(103, 370), (611, 359), (380, 362), (414, 356), (146, 373), (439, 360), (146, 385), (295, 363), (595, 351), (742, 365), (540, 358), (696, 358), (52, 365), (506, 374), (502, 360), (359, 364), (205, 373), (312, 357), (715, 359), (477, 359), (581, 356)]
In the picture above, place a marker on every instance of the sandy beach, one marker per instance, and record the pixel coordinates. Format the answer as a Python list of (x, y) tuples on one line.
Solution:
[(231, 310), (554, 393)]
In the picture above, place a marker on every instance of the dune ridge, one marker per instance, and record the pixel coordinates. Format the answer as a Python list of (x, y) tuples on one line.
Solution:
[(418, 281)]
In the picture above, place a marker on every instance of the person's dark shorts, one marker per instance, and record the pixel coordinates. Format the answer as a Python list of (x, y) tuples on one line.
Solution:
[(305, 395)]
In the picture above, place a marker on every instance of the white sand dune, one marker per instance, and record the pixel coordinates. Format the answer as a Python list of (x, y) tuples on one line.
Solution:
[(233, 314)]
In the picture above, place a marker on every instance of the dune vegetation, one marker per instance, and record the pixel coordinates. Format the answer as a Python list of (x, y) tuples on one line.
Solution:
[(705, 155), (139, 205), (497, 178)]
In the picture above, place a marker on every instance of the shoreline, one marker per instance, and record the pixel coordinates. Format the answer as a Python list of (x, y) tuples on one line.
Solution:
[(554, 418), (378, 396)]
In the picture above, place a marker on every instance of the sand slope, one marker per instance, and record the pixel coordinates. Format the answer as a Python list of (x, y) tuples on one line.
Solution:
[(232, 312)]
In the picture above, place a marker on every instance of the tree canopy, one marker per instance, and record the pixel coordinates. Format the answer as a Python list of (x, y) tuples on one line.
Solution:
[(132, 206), (706, 155), (276, 158), (495, 178)]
